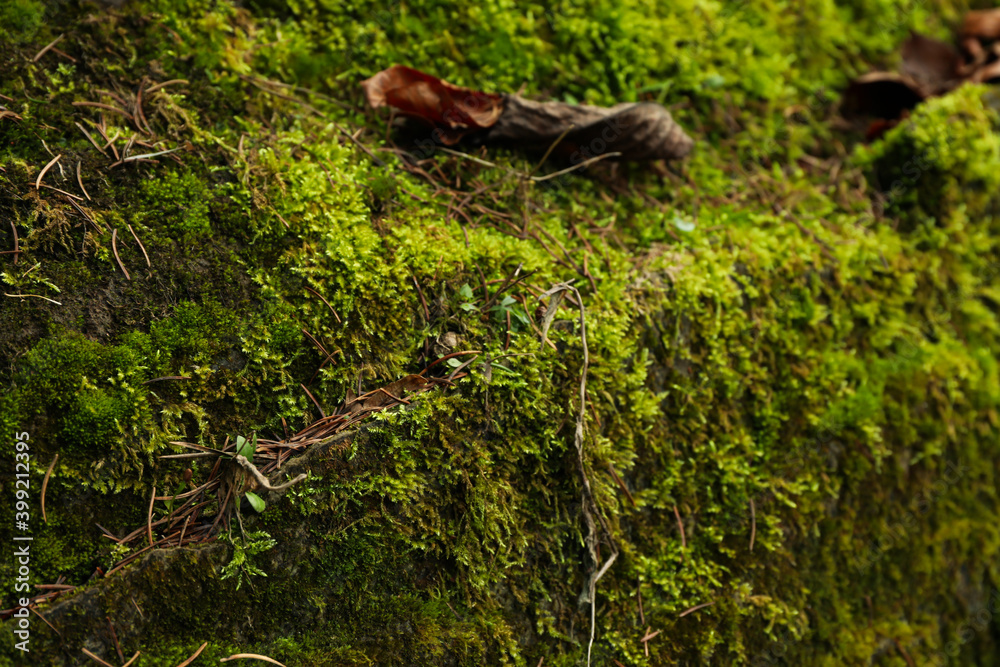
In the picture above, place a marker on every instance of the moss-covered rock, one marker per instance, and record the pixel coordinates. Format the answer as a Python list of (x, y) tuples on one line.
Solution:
[(791, 381)]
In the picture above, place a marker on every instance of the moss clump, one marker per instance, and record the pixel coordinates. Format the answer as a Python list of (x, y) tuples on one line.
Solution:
[(937, 164), (182, 201), (96, 401), (20, 20)]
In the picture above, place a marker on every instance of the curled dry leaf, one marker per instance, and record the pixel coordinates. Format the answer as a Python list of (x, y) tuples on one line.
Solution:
[(980, 42), (934, 65), (929, 67), (881, 94), (456, 111), (643, 131), (385, 395), (983, 25)]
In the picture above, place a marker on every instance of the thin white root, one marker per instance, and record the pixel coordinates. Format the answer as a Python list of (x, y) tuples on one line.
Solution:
[(263, 481), (589, 506)]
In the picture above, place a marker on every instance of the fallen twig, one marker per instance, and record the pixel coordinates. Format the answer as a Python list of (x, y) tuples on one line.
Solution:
[(906, 656), (172, 82), (645, 640), (149, 517), (39, 615), (136, 160), (37, 296), (114, 247), (680, 526), (621, 484), (251, 656), (62, 192), (151, 155), (695, 608), (423, 301), (142, 247), (141, 615), (94, 658), (47, 47), (313, 398), (114, 637), (312, 291), (17, 243), (45, 169), (106, 107), (79, 180), (193, 656), (87, 134), (85, 215), (189, 493), (588, 505)]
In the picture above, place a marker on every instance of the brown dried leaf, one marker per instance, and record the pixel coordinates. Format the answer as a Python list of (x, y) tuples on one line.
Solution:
[(932, 64), (643, 131), (399, 387), (987, 73), (550, 312), (457, 111), (983, 24), (881, 94), (974, 51), (929, 67), (385, 395)]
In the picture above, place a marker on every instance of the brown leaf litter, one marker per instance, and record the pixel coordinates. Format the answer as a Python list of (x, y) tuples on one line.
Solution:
[(628, 132)]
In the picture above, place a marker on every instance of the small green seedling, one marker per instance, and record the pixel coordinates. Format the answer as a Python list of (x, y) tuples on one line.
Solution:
[(246, 448), (241, 565), (170, 500), (510, 305), (466, 293), (256, 501)]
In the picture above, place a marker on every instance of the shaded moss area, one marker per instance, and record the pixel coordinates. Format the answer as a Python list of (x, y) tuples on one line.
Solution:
[(792, 387)]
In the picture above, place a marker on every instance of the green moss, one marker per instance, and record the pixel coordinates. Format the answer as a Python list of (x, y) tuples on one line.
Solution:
[(180, 203), (93, 393), (21, 19)]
